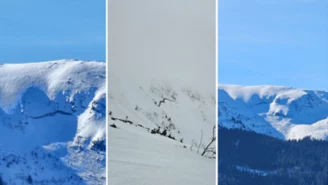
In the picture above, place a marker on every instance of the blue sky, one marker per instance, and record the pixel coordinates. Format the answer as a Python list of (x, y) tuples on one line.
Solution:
[(278, 42), (41, 30)]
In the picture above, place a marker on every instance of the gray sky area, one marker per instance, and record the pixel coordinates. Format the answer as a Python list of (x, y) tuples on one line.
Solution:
[(158, 38)]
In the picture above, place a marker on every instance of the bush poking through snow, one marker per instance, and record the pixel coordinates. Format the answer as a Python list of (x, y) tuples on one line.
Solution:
[(171, 137), (156, 131), (164, 133), (113, 125)]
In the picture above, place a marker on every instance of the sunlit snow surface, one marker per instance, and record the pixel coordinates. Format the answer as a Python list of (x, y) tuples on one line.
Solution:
[(52, 122), (282, 112)]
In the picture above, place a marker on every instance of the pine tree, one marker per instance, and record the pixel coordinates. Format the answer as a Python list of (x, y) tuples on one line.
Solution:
[(29, 179), (1, 181)]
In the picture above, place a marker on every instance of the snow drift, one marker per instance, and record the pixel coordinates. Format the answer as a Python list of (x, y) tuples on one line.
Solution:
[(52, 118)]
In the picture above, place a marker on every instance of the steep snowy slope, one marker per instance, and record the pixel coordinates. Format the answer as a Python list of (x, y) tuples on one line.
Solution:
[(156, 126), (52, 122), (137, 157), (282, 112)]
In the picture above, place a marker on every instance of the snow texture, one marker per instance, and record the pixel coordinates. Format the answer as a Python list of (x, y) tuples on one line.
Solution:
[(52, 122), (278, 111), (137, 155)]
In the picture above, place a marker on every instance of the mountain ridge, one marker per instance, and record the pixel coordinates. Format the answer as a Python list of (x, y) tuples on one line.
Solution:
[(56, 109), (279, 111)]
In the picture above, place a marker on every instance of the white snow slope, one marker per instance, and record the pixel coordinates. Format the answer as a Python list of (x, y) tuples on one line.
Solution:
[(278, 111), (136, 156), (52, 123)]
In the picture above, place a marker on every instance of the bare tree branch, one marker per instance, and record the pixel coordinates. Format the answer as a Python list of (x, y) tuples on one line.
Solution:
[(207, 149), (200, 142)]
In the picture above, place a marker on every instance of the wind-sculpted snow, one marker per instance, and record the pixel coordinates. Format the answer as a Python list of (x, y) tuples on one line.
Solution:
[(282, 112), (51, 77), (51, 116)]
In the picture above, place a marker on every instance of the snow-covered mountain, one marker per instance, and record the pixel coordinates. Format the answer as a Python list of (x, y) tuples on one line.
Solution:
[(155, 129), (52, 123), (278, 111)]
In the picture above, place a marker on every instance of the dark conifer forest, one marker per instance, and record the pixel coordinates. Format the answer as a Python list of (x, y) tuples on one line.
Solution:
[(249, 158)]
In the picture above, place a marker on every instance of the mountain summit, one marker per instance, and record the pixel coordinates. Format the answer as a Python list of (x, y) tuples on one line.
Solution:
[(282, 112), (52, 119)]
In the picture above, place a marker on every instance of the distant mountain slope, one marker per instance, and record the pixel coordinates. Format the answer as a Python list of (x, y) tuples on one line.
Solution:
[(278, 111), (52, 122)]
